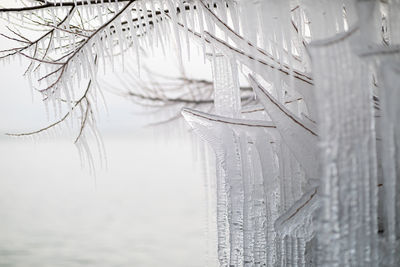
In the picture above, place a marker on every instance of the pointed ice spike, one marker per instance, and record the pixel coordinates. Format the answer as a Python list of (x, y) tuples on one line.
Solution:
[(185, 22), (201, 27), (171, 6)]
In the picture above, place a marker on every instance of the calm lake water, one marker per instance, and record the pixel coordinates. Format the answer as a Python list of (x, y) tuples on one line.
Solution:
[(146, 210)]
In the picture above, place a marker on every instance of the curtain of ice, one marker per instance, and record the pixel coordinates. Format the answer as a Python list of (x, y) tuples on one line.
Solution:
[(348, 220), (247, 176), (312, 179), (227, 148), (258, 180), (355, 76)]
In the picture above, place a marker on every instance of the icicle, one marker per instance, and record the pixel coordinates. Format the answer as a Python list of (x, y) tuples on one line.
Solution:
[(248, 209), (118, 29), (226, 89), (348, 154), (110, 46), (171, 6), (157, 26), (201, 26), (182, 8), (390, 154), (147, 29)]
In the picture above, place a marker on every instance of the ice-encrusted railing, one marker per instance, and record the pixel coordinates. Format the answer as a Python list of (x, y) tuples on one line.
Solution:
[(309, 176)]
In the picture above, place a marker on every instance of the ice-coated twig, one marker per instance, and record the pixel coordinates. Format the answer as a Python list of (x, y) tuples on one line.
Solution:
[(230, 121), (77, 104), (50, 4), (293, 221)]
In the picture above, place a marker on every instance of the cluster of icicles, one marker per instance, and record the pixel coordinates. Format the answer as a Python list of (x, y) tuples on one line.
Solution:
[(310, 175)]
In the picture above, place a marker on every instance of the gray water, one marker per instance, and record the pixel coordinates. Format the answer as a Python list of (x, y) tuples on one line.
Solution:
[(146, 210)]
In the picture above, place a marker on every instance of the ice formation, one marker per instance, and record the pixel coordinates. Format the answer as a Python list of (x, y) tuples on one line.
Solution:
[(312, 181), (309, 175)]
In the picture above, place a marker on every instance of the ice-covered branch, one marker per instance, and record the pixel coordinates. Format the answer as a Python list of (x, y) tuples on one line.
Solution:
[(229, 121), (55, 4), (297, 221), (82, 102)]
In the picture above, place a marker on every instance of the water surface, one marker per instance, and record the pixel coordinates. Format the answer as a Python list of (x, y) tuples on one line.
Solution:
[(146, 210)]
